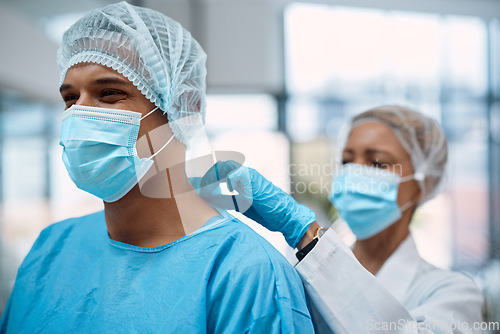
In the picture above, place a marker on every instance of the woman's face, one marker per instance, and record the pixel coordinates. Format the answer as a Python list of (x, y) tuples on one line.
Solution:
[(374, 144)]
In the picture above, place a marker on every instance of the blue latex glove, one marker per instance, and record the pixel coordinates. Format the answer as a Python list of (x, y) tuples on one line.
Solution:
[(257, 198)]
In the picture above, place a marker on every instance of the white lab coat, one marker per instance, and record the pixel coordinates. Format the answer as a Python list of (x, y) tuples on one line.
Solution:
[(408, 295)]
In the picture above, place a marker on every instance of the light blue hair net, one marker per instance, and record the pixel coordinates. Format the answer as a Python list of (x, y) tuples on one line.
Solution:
[(153, 51)]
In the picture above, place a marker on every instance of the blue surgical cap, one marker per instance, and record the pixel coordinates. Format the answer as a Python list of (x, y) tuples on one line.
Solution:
[(154, 52)]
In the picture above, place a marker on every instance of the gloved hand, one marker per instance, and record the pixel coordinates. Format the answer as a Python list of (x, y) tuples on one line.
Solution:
[(258, 199)]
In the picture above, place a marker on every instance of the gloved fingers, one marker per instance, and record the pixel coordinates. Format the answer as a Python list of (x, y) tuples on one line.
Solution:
[(242, 203), (210, 177), (210, 186), (209, 189), (240, 180), (219, 171), (215, 198), (226, 167), (226, 202), (212, 193)]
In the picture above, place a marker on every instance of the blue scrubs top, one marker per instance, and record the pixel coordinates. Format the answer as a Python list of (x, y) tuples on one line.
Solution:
[(223, 278)]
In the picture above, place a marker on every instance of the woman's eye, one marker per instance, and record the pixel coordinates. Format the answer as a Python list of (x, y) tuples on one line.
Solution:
[(379, 164)]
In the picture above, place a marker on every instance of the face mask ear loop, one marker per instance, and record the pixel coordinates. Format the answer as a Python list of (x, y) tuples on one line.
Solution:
[(161, 149), (407, 178), (417, 176), (407, 205), (149, 113)]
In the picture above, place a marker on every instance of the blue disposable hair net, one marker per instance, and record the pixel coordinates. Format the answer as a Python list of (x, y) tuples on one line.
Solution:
[(421, 137), (153, 51)]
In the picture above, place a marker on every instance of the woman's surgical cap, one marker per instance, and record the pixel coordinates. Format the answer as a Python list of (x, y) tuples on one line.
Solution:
[(153, 51), (421, 137)]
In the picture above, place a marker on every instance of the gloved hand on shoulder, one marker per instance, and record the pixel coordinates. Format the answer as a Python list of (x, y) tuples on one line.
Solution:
[(257, 198)]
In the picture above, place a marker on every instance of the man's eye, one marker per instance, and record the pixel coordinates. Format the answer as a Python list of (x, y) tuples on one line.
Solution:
[(69, 97), (111, 96), (69, 100), (111, 93)]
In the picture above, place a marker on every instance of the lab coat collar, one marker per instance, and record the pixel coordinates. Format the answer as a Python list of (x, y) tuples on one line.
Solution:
[(400, 269)]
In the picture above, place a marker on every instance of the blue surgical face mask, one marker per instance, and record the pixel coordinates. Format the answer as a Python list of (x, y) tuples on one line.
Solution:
[(99, 150), (366, 198)]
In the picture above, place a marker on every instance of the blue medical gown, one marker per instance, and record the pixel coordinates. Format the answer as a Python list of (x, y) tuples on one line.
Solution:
[(223, 278)]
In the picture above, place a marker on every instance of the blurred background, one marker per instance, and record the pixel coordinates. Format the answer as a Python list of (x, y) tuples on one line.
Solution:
[(283, 77)]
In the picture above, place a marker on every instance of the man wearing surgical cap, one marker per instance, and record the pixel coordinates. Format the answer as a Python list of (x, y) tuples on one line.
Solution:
[(158, 259)]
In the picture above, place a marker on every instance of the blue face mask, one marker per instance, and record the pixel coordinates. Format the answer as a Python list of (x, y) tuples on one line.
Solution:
[(99, 150), (366, 198)]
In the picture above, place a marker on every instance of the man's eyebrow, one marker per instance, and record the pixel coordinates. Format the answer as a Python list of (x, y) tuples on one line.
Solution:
[(100, 81), (64, 87), (113, 80)]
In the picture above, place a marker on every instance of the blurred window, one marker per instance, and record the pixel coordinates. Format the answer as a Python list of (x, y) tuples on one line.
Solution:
[(249, 124)]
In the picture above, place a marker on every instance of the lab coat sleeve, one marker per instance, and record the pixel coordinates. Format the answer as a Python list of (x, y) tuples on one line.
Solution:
[(346, 298), (453, 305)]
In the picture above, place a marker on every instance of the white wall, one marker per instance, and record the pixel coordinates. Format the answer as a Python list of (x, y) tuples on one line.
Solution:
[(244, 43), (482, 8), (27, 57), (179, 10), (243, 39)]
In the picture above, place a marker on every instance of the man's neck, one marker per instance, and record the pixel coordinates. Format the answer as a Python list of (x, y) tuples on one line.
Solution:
[(150, 222)]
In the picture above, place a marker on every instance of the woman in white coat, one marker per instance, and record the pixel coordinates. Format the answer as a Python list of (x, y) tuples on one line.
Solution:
[(394, 159)]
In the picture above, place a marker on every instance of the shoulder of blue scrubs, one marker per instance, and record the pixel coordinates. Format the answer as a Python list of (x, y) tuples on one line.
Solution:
[(253, 287), (54, 237), (244, 284), (37, 267)]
